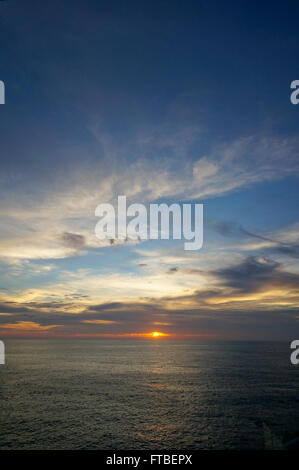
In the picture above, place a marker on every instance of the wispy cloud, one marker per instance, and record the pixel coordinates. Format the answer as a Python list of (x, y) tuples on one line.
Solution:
[(58, 221)]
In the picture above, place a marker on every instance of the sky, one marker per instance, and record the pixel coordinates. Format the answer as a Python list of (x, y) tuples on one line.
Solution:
[(161, 101)]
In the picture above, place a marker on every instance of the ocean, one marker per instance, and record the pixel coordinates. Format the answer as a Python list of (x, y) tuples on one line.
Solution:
[(146, 394)]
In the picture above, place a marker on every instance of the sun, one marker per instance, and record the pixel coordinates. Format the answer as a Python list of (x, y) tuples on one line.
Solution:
[(154, 334), (157, 334)]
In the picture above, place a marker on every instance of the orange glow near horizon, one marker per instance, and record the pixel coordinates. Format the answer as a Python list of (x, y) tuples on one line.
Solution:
[(22, 331)]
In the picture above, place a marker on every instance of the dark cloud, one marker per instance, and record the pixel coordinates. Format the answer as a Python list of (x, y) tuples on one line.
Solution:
[(254, 235), (255, 273), (173, 270), (76, 296), (106, 306), (73, 240), (290, 250), (12, 307)]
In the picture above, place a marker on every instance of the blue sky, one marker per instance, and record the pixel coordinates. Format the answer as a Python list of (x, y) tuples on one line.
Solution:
[(160, 101)]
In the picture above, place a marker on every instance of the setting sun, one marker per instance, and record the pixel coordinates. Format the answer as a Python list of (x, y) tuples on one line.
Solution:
[(157, 334)]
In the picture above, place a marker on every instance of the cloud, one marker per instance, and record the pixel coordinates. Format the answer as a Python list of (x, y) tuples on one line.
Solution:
[(254, 291), (28, 326), (173, 270), (284, 241), (73, 240), (58, 220), (250, 274), (163, 286), (106, 306), (100, 322)]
